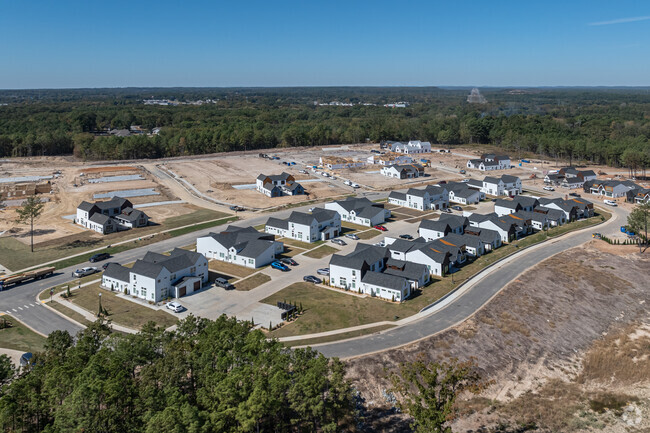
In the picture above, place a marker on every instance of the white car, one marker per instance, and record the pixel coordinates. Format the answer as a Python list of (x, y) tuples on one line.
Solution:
[(85, 271), (174, 306), (311, 209), (302, 171), (610, 202), (325, 174), (465, 180), (333, 177), (549, 188), (354, 185), (348, 183), (380, 244)]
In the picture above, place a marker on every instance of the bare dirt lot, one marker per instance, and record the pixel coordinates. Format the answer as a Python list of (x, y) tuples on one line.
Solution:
[(216, 178), (65, 196), (566, 344)]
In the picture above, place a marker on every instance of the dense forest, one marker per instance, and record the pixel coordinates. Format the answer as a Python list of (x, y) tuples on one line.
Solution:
[(206, 376), (606, 125)]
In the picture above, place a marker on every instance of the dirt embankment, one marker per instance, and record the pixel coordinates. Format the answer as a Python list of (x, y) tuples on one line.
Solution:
[(559, 341)]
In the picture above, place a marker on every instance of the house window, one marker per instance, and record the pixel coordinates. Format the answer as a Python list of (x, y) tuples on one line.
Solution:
[(250, 261), (221, 255), (343, 281)]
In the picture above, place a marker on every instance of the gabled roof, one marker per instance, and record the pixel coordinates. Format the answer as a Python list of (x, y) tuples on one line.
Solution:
[(115, 202), (99, 218), (363, 256), (485, 235), (526, 201), (324, 214), (438, 226), (147, 269), (508, 204), (397, 195), (509, 179), (130, 214), (401, 246), (85, 206), (454, 220), (118, 272), (415, 192), (384, 280), (278, 223), (409, 270)]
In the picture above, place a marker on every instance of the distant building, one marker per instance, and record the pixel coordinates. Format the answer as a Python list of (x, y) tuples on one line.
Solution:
[(475, 97), (489, 162), (321, 224), (278, 185), (360, 211), (242, 246), (412, 147), (337, 162), (403, 171)]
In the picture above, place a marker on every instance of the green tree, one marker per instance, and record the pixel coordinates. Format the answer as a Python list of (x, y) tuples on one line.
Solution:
[(428, 390), (638, 220), (30, 210)]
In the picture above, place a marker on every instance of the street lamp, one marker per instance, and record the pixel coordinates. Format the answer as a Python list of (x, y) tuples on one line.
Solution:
[(99, 311)]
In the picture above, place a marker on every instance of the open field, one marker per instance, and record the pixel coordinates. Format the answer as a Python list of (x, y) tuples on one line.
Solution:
[(121, 311), (562, 342), (252, 282), (74, 315), (230, 269), (320, 252), (337, 337), (20, 337), (16, 255), (217, 177)]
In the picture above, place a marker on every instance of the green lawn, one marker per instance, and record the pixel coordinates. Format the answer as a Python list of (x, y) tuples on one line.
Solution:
[(45, 294), (320, 252), (252, 282), (368, 234), (230, 268), (69, 312), (20, 337), (15, 255), (121, 311), (354, 226)]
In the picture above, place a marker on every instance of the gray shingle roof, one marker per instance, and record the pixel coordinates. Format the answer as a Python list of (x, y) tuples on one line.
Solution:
[(397, 195), (439, 226), (384, 280), (118, 272), (85, 206), (278, 223), (99, 218), (147, 269), (409, 270)]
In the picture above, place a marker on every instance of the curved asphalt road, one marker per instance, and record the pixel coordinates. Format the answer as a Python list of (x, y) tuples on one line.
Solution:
[(468, 303)]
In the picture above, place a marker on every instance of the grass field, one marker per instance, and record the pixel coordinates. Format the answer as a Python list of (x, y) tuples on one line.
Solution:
[(299, 244), (15, 255), (355, 227), (252, 282), (320, 252), (45, 294), (230, 269), (20, 337), (121, 311), (337, 337), (61, 308), (368, 234)]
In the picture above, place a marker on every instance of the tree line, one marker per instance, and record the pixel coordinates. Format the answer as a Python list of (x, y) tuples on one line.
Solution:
[(608, 126)]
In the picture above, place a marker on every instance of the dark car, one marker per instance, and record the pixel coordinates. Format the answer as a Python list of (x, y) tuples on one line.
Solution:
[(105, 265), (237, 208), (289, 261), (574, 194), (338, 242), (222, 282), (312, 279), (442, 182), (99, 257), (457, 207), (407, 237), (26, 359), (447, 210)]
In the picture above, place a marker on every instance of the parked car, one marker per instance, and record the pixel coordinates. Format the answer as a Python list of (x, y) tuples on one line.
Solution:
[(323, 271), (407, 237), (174, 306), (312, 279), (89, 270), (442, 182), (99, 257), (549, 188), (302, 171), (26, 359), (465, 180), (354, 185), (447, 210), (279, 265), (340, 242), (574, 194), (380, 228), (237, 208), (105, 265), (348, 183), (289, 261), (374, 151), (222, 282), (610, 202), (352, 236), (462, 172), (311, 209), (380, 244), (456, 207)]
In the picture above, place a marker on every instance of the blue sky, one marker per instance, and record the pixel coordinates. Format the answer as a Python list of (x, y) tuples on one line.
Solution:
[(54, 44)]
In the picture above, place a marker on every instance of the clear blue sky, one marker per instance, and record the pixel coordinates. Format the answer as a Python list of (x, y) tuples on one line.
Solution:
[(52, 44)]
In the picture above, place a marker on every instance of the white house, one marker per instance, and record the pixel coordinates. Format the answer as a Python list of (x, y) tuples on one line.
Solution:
[(360, 211), (337, 162), (412, 147), (110, 216), (461, 193), (158, 277), (403, 171), (610, 188), (390, 159), (491, 239), (242, 246), (506, 229), (504, 185), (489, 162), (433, 197), (321, 224), (278, 185)]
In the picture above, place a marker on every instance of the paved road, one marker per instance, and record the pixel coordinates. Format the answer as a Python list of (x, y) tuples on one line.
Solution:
[(463, 307)]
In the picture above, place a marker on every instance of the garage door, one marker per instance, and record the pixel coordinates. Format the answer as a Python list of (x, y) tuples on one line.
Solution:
[(181, 291), (197, 285)]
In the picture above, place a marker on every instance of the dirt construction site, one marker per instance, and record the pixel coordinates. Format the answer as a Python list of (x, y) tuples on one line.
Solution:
[(72, 183)]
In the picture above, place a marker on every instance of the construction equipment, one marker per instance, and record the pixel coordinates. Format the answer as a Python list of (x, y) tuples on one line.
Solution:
[(533, 176), (15, 279)]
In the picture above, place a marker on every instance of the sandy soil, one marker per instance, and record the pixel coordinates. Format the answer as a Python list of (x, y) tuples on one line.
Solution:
[(215, 178), (538, 329)]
